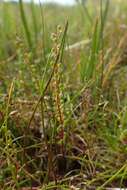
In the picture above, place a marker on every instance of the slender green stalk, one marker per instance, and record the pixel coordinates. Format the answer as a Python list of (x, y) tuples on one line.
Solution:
[(25, 24), (43, 32), (34, 19)]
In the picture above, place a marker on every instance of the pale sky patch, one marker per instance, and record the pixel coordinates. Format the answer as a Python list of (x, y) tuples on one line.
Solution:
[(66, 2)]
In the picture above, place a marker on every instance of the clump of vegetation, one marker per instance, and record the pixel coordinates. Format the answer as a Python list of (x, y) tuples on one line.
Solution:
[(63, 112)]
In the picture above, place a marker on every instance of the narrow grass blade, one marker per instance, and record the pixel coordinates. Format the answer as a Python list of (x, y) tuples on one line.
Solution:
[(25, 24)]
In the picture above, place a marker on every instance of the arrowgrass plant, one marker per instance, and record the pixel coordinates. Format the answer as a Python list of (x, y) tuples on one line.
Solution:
[(63, 117)]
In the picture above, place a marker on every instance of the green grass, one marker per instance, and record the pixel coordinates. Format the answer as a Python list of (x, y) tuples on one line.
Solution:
[(63, 111)]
